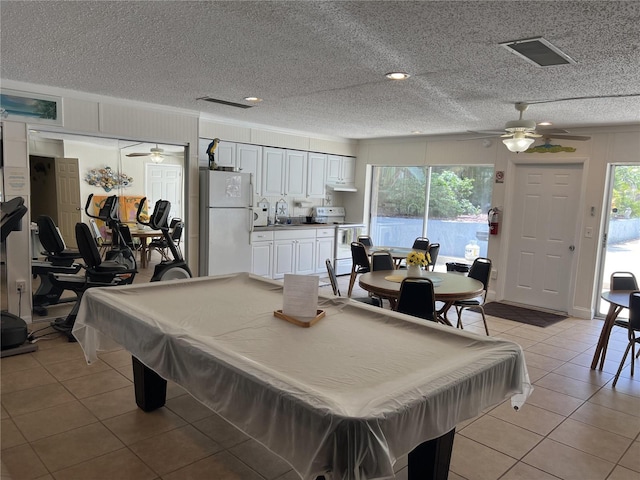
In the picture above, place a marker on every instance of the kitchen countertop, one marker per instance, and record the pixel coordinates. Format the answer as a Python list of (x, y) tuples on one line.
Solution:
[(293, 226)]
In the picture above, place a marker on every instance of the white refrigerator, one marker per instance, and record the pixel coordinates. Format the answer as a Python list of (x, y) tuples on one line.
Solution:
[(226, 222)]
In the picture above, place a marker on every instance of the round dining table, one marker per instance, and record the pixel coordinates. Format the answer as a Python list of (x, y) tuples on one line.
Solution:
[(618, 300), (144, 235), (448, 287)]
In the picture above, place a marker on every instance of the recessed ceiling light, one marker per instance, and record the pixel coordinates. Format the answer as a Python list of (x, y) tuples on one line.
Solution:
[(545, 123), (253, 99), (397, 75), (416, 132)]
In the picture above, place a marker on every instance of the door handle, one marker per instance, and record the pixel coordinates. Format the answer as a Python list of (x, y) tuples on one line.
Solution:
[(572, 248)]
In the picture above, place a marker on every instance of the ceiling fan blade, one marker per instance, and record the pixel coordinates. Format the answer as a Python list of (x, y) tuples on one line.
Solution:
[(579, 138), (544, 130), (137, 154), (487, 132), (532, 135)]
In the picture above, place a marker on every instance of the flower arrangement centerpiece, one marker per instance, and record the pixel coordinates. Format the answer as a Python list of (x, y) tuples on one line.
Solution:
[(107, 178), (416, 261)]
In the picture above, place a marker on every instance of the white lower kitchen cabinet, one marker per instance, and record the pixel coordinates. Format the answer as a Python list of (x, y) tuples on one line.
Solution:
[(294, 252), (325, 245), (262, 253)]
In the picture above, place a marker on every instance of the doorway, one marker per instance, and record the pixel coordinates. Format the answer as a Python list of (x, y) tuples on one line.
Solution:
[(55, 192), (621, 236), (542, 233)]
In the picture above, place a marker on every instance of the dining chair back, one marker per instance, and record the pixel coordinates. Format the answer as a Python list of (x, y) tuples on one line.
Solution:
[(382, 261), (623, 281), (333, 279), (365, 240), (434, 249), (481, 271), (632, 325), (421, 243), (417, 298), (360, 263)]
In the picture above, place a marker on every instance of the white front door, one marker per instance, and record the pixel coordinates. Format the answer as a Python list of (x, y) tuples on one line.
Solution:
[(68, 198), (542, 235), (164, 182)]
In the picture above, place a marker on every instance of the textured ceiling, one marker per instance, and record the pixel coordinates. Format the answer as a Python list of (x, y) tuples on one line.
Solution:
[(320, 65)]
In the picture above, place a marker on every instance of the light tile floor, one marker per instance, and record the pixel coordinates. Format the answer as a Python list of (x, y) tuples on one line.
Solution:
[(64, 420)]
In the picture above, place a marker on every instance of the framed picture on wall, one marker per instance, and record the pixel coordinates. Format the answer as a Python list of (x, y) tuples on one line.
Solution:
[(30, 107)]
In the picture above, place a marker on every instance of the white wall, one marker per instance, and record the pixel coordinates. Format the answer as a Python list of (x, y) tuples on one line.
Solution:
[(608, 145), (90, 114)]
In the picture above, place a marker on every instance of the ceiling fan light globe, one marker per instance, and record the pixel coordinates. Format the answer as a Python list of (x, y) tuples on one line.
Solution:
[(518, 144)]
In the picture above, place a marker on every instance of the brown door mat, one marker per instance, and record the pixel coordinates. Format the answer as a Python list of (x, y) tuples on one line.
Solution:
[(522, 315)]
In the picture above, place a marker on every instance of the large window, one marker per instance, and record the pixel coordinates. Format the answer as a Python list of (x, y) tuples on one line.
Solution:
[(448, 204)]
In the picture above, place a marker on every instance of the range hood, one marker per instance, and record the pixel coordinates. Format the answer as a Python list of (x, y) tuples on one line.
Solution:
[(341, 187)]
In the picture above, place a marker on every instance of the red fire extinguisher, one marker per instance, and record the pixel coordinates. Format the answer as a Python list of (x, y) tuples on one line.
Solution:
[(494, 220)]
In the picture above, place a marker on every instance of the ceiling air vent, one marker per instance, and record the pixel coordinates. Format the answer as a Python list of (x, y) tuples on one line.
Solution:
[(224, 102), (538, 51)]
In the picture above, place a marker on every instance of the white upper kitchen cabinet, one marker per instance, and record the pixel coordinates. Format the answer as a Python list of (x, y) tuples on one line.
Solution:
[(316, 175), (296, 173), (341, 170), (225, 154), (273, 171), (249, 160)]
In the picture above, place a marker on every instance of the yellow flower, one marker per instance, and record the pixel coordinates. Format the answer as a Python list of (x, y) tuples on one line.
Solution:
[(418, 258)]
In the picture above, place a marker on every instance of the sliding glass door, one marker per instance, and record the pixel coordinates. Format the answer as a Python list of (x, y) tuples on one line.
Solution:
[(448, 204), (622, 244), (398, 201)]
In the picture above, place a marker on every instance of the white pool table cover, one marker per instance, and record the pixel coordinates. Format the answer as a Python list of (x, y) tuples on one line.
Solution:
[(343, 398)]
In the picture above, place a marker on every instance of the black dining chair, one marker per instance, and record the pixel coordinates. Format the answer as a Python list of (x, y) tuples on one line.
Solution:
[(333, 279), (623, 281), (365, 240), (382, 261), (632, 325), (421, 243), (417, 298), (434, 249), (360, 263), (481, 271)]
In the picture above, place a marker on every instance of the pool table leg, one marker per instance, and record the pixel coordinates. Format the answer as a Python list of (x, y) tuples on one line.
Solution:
[(430, 460), (150, 388)]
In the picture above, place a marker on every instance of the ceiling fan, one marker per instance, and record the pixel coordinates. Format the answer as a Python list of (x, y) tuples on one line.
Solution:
[(156, 153), (520, 134)]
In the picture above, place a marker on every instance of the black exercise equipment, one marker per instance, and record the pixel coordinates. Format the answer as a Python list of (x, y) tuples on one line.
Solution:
[(58, 259), (177, 268), (121, 247), (13, 330), (97, 273)]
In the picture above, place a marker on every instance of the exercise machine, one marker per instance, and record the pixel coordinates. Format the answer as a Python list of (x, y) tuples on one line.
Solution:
[(97, 273), (177, 268), (13, 329), (58, 259), (121, 246)]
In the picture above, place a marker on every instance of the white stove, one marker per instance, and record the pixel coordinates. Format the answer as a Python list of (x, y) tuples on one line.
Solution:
[(345, 234), (330, 215)]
